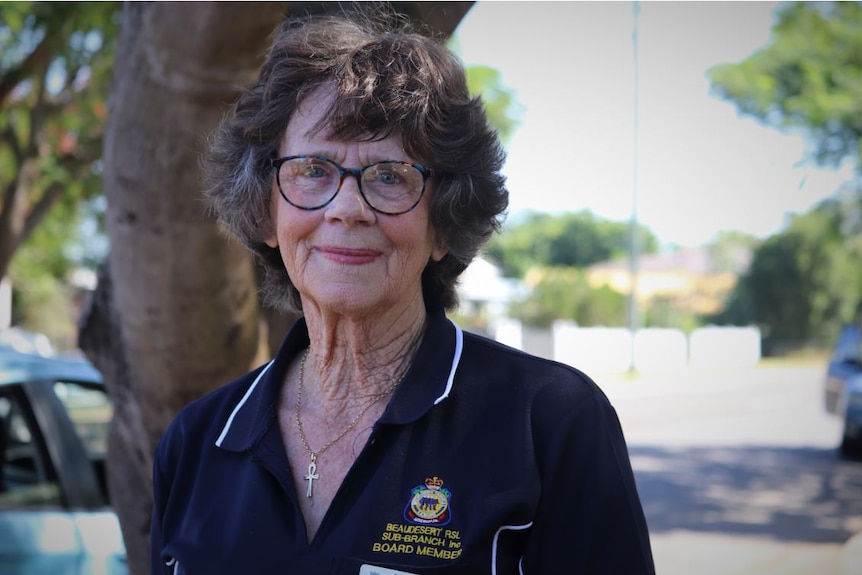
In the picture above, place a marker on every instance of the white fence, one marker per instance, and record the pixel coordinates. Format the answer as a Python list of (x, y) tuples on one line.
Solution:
[(606, 349)]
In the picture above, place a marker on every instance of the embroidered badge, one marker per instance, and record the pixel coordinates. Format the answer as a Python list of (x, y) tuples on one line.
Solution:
[(429, 503)]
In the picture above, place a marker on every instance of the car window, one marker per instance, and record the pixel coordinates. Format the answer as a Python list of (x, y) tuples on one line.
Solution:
[(27, 479), (90, 410)]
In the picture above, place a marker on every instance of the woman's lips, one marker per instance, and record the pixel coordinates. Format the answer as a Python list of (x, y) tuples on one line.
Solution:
[(351, 256)]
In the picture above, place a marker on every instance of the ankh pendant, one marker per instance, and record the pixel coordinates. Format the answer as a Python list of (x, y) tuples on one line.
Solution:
[(311, 476)]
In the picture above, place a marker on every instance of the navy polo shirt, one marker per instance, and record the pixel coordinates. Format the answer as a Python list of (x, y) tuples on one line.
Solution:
[(486, 460)]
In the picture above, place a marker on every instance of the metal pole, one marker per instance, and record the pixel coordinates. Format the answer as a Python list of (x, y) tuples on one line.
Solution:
[(633, 224)]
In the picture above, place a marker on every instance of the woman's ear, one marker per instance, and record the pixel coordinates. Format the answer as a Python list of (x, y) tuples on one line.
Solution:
[(438, 251), (270, 238)]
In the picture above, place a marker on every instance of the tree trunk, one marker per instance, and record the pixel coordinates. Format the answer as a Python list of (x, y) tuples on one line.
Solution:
[(13, 213), (175, 313), (178, 314)]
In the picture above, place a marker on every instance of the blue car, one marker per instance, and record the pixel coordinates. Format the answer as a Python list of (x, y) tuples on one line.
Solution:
[(55, 515), (843, 388)]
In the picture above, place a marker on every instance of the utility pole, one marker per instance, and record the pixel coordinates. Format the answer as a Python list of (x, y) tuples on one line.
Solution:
[(633, 224)]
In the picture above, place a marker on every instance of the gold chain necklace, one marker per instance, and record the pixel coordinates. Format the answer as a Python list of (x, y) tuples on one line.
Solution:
[(312, 474)]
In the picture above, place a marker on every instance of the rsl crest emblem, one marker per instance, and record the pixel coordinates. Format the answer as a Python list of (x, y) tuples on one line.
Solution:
[(429, 503)]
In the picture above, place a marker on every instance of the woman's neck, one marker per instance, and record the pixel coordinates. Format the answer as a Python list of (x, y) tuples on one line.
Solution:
[(354, 357)]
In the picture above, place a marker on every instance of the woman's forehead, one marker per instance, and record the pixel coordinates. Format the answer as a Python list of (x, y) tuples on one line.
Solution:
[(311, 116), (312, 122)]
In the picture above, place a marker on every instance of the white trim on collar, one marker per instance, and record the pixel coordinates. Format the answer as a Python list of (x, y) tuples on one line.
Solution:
[(456, 359), (240, 404)]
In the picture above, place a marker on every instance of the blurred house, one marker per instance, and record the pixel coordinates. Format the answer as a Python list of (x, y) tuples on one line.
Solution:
[(485, 294), (688, 278)]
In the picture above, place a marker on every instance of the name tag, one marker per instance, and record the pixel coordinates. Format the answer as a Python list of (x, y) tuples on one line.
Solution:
[(372, 570)]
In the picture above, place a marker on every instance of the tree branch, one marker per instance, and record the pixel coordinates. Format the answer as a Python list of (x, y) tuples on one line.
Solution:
[(6, 213), (37, 113), (56, 189), (36, 59), (41, 209), (9, 192)]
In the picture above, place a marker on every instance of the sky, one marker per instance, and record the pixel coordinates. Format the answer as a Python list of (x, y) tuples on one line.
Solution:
[(701, 167)]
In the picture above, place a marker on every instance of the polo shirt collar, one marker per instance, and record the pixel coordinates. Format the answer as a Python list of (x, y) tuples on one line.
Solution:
[(427, 382), (430, 378)]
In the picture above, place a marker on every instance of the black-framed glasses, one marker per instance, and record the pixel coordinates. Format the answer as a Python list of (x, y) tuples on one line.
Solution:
[(311, 182)]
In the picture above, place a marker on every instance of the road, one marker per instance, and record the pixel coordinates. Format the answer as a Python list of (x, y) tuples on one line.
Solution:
[(738, 472)]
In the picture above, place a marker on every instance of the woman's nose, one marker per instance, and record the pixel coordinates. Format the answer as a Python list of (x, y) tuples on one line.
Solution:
[(348, 204)]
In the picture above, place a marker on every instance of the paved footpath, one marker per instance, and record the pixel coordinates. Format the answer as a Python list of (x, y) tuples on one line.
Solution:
[(716, 554), (739, 473)]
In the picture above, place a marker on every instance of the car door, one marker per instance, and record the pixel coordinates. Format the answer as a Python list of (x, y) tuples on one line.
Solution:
[(54, 514), (846, 362)]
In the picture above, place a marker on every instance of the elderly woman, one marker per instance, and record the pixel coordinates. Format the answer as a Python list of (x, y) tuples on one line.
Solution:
[(382, 439)]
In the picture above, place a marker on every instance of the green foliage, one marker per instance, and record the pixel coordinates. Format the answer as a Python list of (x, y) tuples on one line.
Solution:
[(564, 293), (808, 77), (503, 110), (47, 306), (730, 251), (663, 311), (575, 239), (55, 67), (804, 282), (44, 299)]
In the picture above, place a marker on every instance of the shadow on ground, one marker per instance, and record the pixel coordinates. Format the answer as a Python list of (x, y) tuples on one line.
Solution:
[(789, 494)]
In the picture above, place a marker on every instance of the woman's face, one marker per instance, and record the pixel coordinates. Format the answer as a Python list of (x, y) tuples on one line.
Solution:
[(345, 257)]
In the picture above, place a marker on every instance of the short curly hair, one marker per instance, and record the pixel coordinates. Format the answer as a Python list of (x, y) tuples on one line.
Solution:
[(387, 78)]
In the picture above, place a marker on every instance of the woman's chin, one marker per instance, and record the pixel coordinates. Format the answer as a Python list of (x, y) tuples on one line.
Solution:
[(355, 302), (347, 302)]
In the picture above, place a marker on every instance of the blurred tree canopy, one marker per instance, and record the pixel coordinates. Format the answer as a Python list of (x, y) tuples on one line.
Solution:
[(808, 77), (574, 239), (551, 252), (500, 104), (731, 251), (805, 281), (55, 62)]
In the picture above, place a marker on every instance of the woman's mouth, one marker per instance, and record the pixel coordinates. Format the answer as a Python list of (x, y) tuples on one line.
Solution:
[(349, 256)]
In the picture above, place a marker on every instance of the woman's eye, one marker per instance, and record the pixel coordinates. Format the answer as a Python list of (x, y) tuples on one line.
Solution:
[(314, 171), (389, 178)]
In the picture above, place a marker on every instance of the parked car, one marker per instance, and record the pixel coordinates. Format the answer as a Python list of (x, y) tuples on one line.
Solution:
[(55, 515), (843, 388)]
